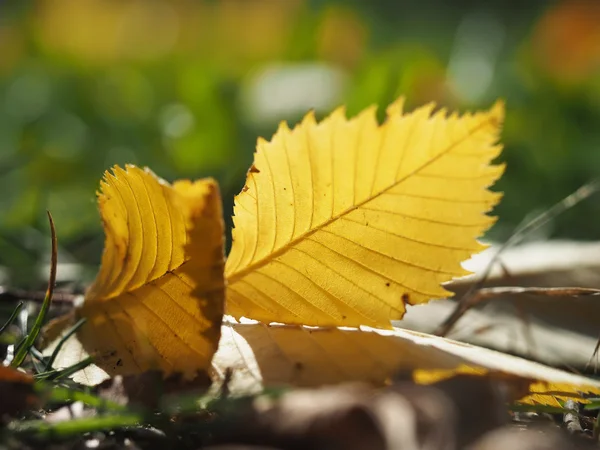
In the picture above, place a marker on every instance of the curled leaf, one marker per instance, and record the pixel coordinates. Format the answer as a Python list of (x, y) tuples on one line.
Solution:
[(153, 306)]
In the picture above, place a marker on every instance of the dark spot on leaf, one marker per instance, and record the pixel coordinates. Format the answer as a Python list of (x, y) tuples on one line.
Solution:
[(405, 297), (253, 169), (298, 366), (245, 188), (387, 284), (285, 189), (119, 362), (367, 224), (344, 317)]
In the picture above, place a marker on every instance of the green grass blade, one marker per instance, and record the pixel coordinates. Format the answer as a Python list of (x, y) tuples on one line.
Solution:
[(66, 372), (60, 394), (12, 317), (67, 335), (37, 360), (41, 318), (44, 430), (594, 403)]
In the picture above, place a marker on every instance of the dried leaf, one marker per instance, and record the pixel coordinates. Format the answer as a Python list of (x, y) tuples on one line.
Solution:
[(344, 222), (16, 391), (356, 416), (153, 306), (269, 355)]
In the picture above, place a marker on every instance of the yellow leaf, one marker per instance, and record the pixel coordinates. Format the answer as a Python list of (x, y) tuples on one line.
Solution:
[(262, 355), (153, 306), (344, 222), (341, 222)]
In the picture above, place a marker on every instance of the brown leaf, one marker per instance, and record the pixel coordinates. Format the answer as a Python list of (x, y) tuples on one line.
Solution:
[(355, 416), (16, 391)]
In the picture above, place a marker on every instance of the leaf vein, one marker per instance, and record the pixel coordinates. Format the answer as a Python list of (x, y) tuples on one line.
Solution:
[(254, 265), (416, 241), (417, 266)]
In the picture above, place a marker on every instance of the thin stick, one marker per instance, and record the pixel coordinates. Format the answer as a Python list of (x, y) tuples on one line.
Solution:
[(15, 294), (594, 354), (41, 318), (542, 219), (571, 418), (487, 293)]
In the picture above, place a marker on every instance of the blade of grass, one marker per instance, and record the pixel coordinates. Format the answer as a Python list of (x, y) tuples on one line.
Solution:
[(67, 371), (37, 354), (67, 335), (12, 317), (59, 394), (19, 344), (44, 430), (37, 360), (41, 318), (592, 405)]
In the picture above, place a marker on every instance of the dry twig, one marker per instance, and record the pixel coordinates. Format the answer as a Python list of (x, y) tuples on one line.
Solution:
[(542, 219), (469, 301)]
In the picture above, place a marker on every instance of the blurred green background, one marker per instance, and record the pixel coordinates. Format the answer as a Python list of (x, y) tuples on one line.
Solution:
[(185, 87)]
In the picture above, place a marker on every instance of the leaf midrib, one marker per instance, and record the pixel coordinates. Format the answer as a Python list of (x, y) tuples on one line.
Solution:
[(271, 256)]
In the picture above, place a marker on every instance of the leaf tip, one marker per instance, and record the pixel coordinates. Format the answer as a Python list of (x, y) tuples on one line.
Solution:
[(309, 118), (397, 107), (497, 112), (283, 127)]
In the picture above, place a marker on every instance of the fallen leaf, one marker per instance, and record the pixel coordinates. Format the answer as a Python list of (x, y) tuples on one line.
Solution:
[(341, 223), (262, 355), (355, 416), (153, 306), (16, 391), (344, 222)]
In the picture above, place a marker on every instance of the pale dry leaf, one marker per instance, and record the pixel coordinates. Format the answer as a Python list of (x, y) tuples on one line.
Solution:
[(261, 355), (344, 222), (157, 301)]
